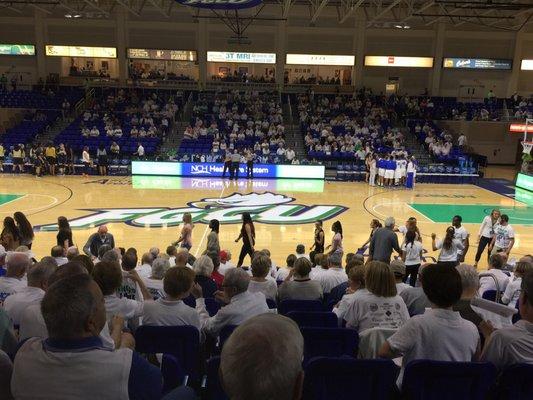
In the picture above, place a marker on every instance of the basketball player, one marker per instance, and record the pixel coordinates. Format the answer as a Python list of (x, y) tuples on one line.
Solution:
[(411, 171), (373, 170), (381, 170), (397, 170), (235, 161), (390, 166)]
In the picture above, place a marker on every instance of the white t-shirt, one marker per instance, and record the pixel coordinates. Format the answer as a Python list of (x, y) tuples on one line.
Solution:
[(330, 278), (400, 287), (412, 253), (370, 311), (282, 273), (451, 253), (9, 286), (487, 227), (503, 234), (169, 313), (346, 302), (439, 335), (460, 234), (155, 287), (144, 270), (224, 267), (487, 283), (512, 292), (15, 304), (269, 288), (124, 307)]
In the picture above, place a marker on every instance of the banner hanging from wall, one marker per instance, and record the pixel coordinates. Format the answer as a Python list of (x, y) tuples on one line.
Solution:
[(477, 63), (17, 50), (221, 4)]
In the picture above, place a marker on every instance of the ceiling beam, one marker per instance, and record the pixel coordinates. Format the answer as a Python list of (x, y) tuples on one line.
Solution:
[(318, 10), (481, 14), (286, 7), (161, 10), (44, 10), (423, 8), (351, 10), (382, 13), (127, 7), (95, 6)]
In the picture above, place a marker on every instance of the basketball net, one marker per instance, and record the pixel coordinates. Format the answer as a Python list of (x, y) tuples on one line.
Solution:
[(527, 147)]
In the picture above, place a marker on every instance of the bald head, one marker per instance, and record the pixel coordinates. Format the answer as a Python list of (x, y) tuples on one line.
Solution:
[(253, 350), (72, 252), (16, 264), (102, 229)]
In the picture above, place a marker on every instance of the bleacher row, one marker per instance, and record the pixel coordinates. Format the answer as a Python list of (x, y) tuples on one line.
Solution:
[(40, 99), (26, 131), (336, 364)]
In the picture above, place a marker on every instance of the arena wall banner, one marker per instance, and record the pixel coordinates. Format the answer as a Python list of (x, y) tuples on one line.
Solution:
[(214, 170), (477, 63), (221, 4)]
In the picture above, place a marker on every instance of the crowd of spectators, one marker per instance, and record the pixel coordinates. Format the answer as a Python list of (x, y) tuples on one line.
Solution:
[(75, 317), (315, 80), (244, 77), (520, 107), (147, 72)]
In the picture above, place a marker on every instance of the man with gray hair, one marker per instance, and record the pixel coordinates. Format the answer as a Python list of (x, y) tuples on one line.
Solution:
[(255, 364), (154, 283), (72, 252), (334, 275), (58, 252), (383, 241), (97, 240), (16, 265), (241, 304), (74, 314), (145, 269), (38, 276)]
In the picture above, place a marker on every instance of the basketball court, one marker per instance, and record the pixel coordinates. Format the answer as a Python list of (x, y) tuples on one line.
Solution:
[(143, 211)]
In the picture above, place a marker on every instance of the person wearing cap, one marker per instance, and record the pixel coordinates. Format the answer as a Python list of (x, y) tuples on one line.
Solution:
[(97, 240), (225, 264), (398, 268)]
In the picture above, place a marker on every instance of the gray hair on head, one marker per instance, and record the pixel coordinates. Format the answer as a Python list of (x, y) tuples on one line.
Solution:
[(335, 259), (390, 222), (253, 351), (203, 266), (17, 263), (469, 276), (39, 274), (110, 256), (103, 249), (159, 267), (237, 278), (72, 252)]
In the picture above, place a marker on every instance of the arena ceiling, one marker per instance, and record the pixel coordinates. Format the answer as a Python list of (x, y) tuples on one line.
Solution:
[(403, 14)]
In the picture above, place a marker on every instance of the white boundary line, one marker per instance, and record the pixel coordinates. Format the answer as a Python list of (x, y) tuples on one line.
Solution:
[(415, 210), (56, 200), (15, 199)]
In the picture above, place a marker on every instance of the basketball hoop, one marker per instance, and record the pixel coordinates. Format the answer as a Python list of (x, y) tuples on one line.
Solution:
[(527, 147)]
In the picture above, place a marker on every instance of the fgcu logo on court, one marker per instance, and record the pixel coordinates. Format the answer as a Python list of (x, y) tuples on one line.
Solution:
[(266, 208)]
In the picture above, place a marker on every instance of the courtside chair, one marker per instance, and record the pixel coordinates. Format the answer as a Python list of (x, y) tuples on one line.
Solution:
[(446, 380), (182, 342), (516, 383), (314, 319), (343, 378), (287, 306), (329, 342)]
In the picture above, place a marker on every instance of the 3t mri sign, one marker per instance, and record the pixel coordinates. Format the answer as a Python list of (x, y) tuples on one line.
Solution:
[(266, 208)]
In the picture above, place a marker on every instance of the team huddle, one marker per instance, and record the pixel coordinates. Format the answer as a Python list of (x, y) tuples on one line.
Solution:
[(391, 170)]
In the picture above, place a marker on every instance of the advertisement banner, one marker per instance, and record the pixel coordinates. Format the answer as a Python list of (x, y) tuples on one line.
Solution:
[(167, 55), (221, 4), (215, 170), (81, 51), (524, 181), (318, 59), (477, 63), (394, 61), (234, 57), (17, 50)]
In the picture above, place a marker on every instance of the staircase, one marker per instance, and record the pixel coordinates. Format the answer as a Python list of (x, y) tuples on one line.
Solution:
[(416, 148), (172, 142), (49, 135)]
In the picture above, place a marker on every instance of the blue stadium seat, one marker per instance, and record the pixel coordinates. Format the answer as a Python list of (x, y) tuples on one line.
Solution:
[(213, 387), (299, 305), (445, 380), (314, 319), (329, 342), (182, 342), (212, 305), (347, 379), (224, 335), (489, 295), (515, 383)]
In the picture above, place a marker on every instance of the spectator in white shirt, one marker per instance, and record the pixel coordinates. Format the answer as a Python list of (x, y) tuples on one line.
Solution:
[(356, 281), (486, 233), (297, 284), (251, 349), (496, 263), (108, 276), (381, 307), (171, 310), (261, 265), (449, 247), (412, 256), (140, 150), (514, 344), (58, 252), (512, 291), (145, 269), (154, 283), (225, 264), (334, 275), (439, 334), (284, 272), (503, 239), (398, 269), (38, 276), (241, 304), (16, 265), (300, 252)]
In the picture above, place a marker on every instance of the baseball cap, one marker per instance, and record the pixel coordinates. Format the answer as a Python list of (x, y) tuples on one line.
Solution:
[(398, 267)]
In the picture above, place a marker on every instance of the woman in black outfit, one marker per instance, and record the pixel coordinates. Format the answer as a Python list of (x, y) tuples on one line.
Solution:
[(318, 245), (25, 229), (248, 238), (64, 235)]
